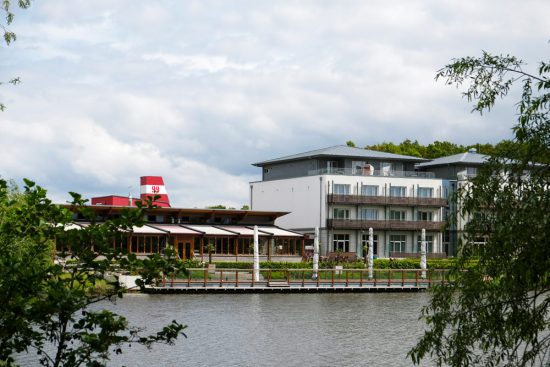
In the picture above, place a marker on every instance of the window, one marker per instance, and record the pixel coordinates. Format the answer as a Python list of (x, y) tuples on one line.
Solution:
[(341, 242), (398, 191), (397, 215), (369, 190), (357, 167), (365, 242), (339, 213), (340, 189), (398, 166), (397, 243), (471, 171), (424, 216), (369, 214), (425, 192), (429, 243), (332, 166)]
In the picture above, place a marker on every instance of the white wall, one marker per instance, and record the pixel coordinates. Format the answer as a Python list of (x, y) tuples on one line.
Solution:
[(301, 196)]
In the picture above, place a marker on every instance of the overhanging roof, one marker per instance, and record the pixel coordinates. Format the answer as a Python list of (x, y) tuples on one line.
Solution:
[(342, 151), (461, 158)]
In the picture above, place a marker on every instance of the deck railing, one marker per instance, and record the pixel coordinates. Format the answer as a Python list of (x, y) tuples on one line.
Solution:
[(304, 278), (366, 172)]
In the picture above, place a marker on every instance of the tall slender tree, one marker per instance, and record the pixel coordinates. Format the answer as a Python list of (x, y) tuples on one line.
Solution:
[(497, 312)]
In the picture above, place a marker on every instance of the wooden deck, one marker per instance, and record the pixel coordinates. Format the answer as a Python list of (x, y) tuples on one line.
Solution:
[(301, 281)]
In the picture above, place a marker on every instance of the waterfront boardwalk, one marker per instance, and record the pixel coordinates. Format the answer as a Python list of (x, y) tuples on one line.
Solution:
[(301, 281)]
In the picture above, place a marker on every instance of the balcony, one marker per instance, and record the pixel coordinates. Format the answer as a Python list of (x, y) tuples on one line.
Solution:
[(403, 225), (366, 173), (385, 200)]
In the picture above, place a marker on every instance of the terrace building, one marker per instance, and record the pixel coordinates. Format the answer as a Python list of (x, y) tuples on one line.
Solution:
[(227, 234), (345, 191)]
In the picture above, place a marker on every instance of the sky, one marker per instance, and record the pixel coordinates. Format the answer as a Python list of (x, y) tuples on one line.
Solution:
[(197, 91)]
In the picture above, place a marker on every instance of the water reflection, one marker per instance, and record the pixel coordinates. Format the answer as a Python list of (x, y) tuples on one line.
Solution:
[(277, 329)]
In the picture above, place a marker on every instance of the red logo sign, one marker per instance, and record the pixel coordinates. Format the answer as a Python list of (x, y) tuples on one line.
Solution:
[(155, 189)]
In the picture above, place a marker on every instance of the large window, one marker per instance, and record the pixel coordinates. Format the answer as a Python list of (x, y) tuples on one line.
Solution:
[(369, 214), (340, 189), (369, 190), (332, 166), (144, 244), (397, 215), (398, 191), (340, 242), (339, 213), (424, 216), (425, 192), (398, 243), (429, 243), (365, 242)]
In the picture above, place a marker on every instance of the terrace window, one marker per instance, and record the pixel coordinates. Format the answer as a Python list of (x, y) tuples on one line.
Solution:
[(429, 243), (398, 191), (424, 216), (397, 215), (365, 242), (340, 242), (369, 214), (339, 213), (340, 189), (398, 243), (369, 190), (425, 192)]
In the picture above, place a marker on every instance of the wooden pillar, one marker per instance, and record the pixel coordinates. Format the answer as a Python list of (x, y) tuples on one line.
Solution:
[(303, 247), (236, 246), (201, 243)]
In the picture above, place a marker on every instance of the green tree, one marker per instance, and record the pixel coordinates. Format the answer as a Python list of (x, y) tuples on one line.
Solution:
[(350, 143), (10, 36), (45, 303), (497, 312)]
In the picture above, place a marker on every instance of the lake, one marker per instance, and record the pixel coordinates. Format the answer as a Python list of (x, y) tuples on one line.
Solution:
[(345, 329)]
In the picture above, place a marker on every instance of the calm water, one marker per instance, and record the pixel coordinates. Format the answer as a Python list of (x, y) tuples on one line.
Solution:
[(276, 329)]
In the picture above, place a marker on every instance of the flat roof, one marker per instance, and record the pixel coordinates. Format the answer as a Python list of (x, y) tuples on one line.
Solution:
[(461, 158), (342, 151)]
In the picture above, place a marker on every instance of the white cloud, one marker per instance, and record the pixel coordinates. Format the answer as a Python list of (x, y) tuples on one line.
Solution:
[(195, 91)]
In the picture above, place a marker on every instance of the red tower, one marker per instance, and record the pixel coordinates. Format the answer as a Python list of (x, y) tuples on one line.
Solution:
[(154, 186)]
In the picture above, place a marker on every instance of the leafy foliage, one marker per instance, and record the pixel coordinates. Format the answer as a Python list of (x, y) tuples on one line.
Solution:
[(497, 313), (45, 302), (10, 36), (439, 148)]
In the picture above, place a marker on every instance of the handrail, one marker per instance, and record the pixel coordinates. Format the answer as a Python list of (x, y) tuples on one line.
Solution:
[(303, 278)]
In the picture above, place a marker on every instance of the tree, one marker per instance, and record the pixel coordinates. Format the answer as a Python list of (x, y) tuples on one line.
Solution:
[(10, 36), (45, 303), (496, 311), (350, 143)]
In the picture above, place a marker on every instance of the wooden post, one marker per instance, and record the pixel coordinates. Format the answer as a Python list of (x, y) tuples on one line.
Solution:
[(288, 276), (347, 277), (303, 278), (205, 277), (221, 277), (237, 279), (416, 274), (188, 278), (362, 271), (402, 278)]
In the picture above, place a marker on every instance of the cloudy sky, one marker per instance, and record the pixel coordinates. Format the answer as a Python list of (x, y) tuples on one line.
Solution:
[(196, 91)]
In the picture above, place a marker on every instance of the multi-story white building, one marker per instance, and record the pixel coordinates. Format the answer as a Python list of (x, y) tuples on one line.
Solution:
[(345, 191)]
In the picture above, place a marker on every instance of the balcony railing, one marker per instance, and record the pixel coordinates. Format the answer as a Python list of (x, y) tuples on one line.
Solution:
[(365, 172), (385, 200), (384, 224)]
